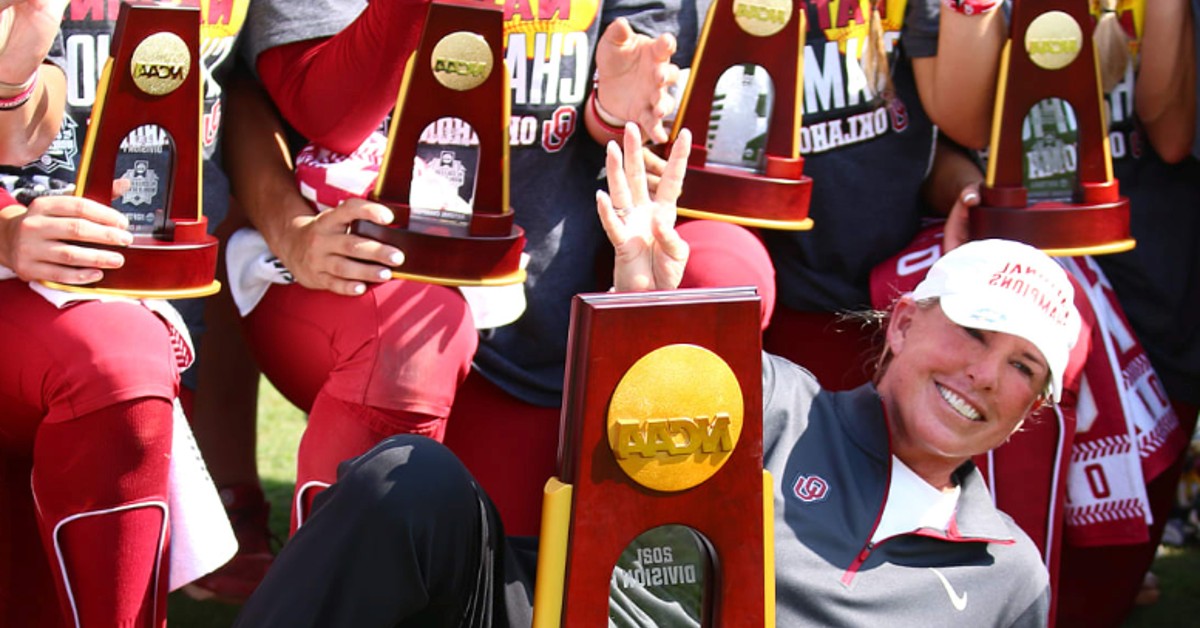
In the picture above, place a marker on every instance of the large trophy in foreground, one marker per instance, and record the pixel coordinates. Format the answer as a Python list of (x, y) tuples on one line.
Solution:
[(457, 71), (769, 191), (1050, 179), (661, 509), (142, 156)]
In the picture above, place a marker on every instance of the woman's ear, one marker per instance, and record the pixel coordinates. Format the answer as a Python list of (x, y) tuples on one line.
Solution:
[(899, 323)]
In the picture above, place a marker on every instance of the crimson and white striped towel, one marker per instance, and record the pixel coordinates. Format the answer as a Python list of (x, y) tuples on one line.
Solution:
[(326, 179), (1127, 431)]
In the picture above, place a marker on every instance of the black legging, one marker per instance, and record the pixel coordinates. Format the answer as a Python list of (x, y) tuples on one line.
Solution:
[(404, 538)]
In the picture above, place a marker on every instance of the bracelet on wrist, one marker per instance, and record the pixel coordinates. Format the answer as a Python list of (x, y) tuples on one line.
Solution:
[(8, 90), (13, 96), (971, 7), (604, 118)]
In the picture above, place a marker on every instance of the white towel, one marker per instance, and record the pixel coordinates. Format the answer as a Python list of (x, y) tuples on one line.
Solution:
[(201, 537)]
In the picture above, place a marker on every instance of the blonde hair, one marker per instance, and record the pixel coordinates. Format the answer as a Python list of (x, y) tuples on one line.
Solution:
[(1112, 46), (875, 61)]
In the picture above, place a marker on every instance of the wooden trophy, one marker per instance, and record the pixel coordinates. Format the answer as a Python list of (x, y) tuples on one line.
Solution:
[(456, 71), (661, 427), (148, 102), (1056, 59), (768, 34)]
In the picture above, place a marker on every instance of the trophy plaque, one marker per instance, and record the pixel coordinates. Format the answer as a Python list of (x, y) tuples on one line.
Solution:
[(660, 494), (457, 71), (1054, 63), (142, 156), (773, 194)]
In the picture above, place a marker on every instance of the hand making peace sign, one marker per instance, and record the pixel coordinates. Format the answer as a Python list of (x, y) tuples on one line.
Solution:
[(650, 255)]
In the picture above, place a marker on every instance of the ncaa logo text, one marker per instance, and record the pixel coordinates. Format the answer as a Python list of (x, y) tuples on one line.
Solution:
[(810, 488)]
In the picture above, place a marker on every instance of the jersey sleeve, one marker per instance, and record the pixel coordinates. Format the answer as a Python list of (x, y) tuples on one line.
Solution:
[(335, 76), (920, 31), (649, 17)]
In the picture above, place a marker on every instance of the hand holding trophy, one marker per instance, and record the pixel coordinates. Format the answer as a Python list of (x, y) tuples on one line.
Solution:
[(65, 240), (456, 71), (143, 146), (637, 494)]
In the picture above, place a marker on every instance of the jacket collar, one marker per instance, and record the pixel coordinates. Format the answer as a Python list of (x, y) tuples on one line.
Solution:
[(860, 412)]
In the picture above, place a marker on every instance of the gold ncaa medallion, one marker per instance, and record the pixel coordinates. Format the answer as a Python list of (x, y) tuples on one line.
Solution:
[(675, 417), (160, 64), (1053, 40), (462, 61), (762, 18)]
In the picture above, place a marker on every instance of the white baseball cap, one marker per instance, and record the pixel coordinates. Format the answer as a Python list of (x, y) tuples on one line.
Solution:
[(1010, 287)]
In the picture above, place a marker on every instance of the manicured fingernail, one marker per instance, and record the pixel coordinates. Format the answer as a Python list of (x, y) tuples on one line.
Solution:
[(387, 217), (385, 274), (970, 197), (125, 238), (396, 259), (359, 288)]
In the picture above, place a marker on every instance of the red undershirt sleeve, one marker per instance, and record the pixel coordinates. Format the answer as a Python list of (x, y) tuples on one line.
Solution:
[(6, 199), (336, 91)]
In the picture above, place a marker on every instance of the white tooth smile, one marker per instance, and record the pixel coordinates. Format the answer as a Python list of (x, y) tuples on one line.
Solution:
[(959, 404)]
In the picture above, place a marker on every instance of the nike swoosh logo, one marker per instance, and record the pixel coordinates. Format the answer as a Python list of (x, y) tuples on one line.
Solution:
[(959, 601)]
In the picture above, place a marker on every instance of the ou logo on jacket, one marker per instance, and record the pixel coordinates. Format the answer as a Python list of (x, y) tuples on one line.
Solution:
[(811, 488)]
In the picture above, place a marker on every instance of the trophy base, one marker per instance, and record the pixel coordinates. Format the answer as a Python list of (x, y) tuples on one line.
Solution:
[(157, 269), (444, 253), (1059, 229), (746, 198)]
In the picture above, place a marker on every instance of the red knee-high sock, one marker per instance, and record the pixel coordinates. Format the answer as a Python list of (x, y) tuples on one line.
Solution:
[(100, 485), (338, 430)]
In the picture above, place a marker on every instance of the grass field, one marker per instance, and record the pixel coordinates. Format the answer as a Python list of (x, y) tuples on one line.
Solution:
[(280, 425)]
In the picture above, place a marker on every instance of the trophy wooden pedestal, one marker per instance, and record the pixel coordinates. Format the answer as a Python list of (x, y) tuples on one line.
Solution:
[(456, 71), (662, 424), (769, 34), (153, 78), (1056, 59)]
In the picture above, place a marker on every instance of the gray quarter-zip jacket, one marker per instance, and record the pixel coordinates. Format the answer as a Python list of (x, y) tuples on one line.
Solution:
[(829, 453)]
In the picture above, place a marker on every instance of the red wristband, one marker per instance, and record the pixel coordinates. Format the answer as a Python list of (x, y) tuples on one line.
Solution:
[(971, 7), (22, 96), (595, 105)]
